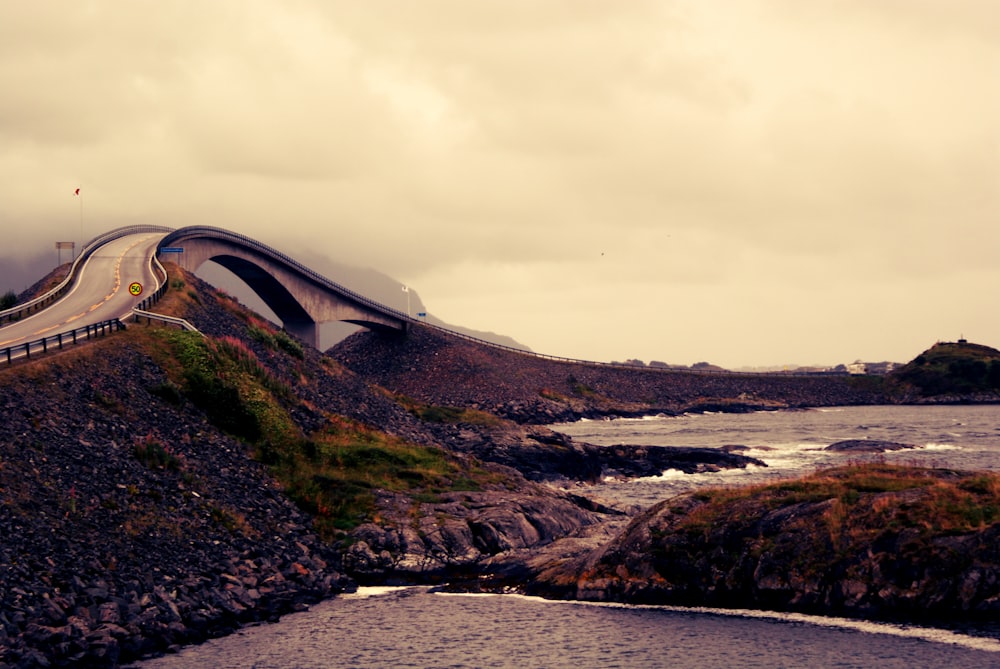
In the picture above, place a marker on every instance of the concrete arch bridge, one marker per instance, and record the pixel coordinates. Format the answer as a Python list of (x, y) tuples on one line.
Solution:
[(301, 298)]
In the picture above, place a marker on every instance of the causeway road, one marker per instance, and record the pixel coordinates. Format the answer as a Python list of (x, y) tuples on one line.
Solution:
[(103, 290)]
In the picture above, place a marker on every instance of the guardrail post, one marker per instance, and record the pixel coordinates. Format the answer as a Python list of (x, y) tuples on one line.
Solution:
[(45, 345)]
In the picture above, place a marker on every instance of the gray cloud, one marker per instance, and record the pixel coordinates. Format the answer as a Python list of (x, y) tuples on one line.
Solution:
[(749, 183)]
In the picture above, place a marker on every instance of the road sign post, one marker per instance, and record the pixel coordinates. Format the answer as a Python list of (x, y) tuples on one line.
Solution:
[(64, 245)]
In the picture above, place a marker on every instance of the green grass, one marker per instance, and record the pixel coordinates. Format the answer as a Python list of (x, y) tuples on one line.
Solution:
[(950, 368), (333, 473), (154, 454), (866, 499), (432, 413), (278, 340)]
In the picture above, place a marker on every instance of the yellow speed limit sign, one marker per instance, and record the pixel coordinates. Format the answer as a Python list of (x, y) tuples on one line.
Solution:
[(135, 288)]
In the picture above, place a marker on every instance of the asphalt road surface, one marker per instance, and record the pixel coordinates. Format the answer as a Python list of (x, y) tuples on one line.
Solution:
[(102, 291)]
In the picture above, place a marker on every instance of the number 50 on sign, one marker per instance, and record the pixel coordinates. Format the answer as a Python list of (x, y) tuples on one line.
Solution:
[(135, 288)]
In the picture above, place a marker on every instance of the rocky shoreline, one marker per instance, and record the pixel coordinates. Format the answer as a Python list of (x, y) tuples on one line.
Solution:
[(132, 523), (130, 526), (872, 555)]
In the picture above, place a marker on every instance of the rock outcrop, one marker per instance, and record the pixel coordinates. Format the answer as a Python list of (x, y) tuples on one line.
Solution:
[(912, 548), (867, 446), (541, 454), (457, 535)]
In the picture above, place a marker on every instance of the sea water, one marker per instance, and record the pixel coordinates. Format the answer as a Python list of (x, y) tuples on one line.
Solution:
[(419, 627), (793, 443)]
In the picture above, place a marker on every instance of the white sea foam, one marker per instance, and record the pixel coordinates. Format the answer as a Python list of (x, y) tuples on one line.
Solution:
[(941, 447), (367, 591)]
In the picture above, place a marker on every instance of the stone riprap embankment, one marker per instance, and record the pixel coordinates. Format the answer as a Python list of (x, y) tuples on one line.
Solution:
[(440, 369), (129, 525)]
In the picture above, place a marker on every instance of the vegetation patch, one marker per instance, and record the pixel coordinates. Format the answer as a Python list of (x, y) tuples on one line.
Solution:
[(581, 389), (432, 413), (950, 368), (151, 452), (277, 340), (866, 500), (549, 394), (176, 301), (335, 474)]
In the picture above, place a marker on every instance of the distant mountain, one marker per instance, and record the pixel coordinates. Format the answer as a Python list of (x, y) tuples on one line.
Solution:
[(371, 283)]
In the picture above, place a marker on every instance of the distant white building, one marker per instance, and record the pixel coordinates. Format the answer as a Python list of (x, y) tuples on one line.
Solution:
[(876, 368), (857, 367)]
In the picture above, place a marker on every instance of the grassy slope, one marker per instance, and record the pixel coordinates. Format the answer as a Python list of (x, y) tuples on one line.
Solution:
[(947, 368)]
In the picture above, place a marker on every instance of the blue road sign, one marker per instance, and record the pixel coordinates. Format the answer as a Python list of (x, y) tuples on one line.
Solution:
[(171, 249)]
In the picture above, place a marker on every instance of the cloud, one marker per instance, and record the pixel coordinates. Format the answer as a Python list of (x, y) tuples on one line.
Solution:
[(648, 174)]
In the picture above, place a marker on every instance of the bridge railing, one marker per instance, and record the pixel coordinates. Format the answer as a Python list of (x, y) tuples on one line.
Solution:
[(60, 340), (19, 311), (621, 365), (274, 254)]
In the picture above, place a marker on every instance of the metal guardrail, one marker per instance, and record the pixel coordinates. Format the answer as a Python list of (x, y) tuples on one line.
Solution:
[(219, 233), (60, 340), (137, 314), (619, 365), (140, 309), (19, 311)]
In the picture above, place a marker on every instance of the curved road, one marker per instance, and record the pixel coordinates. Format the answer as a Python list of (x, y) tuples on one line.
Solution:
[(101, 291)]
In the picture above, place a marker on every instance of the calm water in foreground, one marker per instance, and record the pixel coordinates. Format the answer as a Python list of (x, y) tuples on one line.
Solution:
[(416, 627)]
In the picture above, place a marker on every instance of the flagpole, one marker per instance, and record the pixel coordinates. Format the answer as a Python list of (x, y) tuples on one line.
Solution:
[(79, 193)]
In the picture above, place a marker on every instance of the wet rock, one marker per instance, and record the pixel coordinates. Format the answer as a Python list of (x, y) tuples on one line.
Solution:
[(866, 446), (804, 556)]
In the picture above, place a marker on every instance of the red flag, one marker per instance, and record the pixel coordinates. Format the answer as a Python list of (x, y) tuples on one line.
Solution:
[(76, 192)]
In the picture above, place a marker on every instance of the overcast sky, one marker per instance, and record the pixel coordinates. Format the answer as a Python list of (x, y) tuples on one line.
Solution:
[(744, 182)]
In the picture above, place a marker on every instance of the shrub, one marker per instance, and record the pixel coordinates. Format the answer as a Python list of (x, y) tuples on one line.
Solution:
[(151, 452)]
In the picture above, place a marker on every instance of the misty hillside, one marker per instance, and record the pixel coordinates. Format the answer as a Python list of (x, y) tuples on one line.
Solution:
[(19, 272)]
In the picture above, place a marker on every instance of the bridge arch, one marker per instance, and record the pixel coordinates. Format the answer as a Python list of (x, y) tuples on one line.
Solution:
[(298, 296)]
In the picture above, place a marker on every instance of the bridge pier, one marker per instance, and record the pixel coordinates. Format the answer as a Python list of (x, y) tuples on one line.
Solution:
[(307, 331)]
